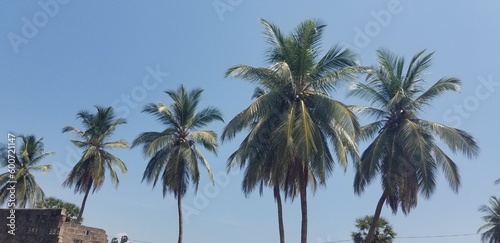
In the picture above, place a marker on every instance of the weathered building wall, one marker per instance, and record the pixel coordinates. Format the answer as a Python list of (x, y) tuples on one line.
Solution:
[(45, 226), (76, 233), (31, 225)]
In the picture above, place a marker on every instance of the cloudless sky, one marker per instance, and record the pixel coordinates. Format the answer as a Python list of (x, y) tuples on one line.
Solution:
[(57, 58)]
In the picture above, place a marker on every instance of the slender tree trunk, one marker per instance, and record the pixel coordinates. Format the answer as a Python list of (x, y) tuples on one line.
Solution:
[(277, 196), (179, 207), (376, 217), (303, 205), (79, 218)]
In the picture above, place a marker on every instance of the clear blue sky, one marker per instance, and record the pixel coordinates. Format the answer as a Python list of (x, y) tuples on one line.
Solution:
[(126, 53)]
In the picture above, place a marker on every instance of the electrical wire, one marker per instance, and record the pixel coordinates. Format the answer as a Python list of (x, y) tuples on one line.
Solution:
[(413, 237)]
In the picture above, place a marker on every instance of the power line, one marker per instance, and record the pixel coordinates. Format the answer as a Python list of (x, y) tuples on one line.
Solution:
[(434, 236), (413, 237)]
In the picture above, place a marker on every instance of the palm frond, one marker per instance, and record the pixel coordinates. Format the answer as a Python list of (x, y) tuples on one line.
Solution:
[(441, 86), (207, 138), (456, 139)]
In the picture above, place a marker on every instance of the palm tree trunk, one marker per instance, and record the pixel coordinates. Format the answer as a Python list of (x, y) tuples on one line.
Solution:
[(179, 208), (303, 205), (79, 218), (376, 217), (281, 227)]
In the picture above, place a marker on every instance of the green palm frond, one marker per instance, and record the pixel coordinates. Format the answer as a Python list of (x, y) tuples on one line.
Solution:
[(416, 69), (441, 86), (456, 139), (29, 153), (162, 113), (155, 141), (263, 106), (89, 173), (207, 138), (276, 40), (292, 123), (404, 150), (491, 218), (173, 153), (205, 117)]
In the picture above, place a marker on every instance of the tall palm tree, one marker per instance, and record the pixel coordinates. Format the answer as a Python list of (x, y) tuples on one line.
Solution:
[(383, 234), (492, 221), (294, 122), (404, 151), (173, 151), (89, 172), (26, 161)]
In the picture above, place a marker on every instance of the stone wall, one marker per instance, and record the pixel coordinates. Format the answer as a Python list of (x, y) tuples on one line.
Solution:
[(45, 226), (31, 225), (76, 233)]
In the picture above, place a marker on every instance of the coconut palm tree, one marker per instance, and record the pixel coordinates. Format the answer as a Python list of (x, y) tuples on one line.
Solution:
[(295, 118), (404, 151), (492, 221), (383, 234), (173, 151), (89, 172), (26, 161)]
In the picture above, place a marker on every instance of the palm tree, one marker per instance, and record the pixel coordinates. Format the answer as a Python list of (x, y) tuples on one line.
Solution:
[(26, 161), (492, 221), (173, 151), (404, 151), (294, 121), (383, 234), (89, 172)]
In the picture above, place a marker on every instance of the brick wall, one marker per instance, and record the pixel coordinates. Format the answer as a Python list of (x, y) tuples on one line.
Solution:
[(73, 231), (45, 226)]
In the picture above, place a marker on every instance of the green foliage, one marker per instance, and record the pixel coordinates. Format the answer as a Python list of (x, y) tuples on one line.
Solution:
[(292, 114), (72, 211), (404, 151), (491, 218), (173, 151), (292, 120), (383, 234), (26, 160), (90, 171)]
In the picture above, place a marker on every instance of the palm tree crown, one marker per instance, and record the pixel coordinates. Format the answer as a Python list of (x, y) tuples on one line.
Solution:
[(404, 151), (26, 161), (293, 121), (173, 151), (90, 171), (492, 221)]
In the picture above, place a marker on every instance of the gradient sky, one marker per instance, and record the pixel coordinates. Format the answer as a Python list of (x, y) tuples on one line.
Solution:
[(57, 58)]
